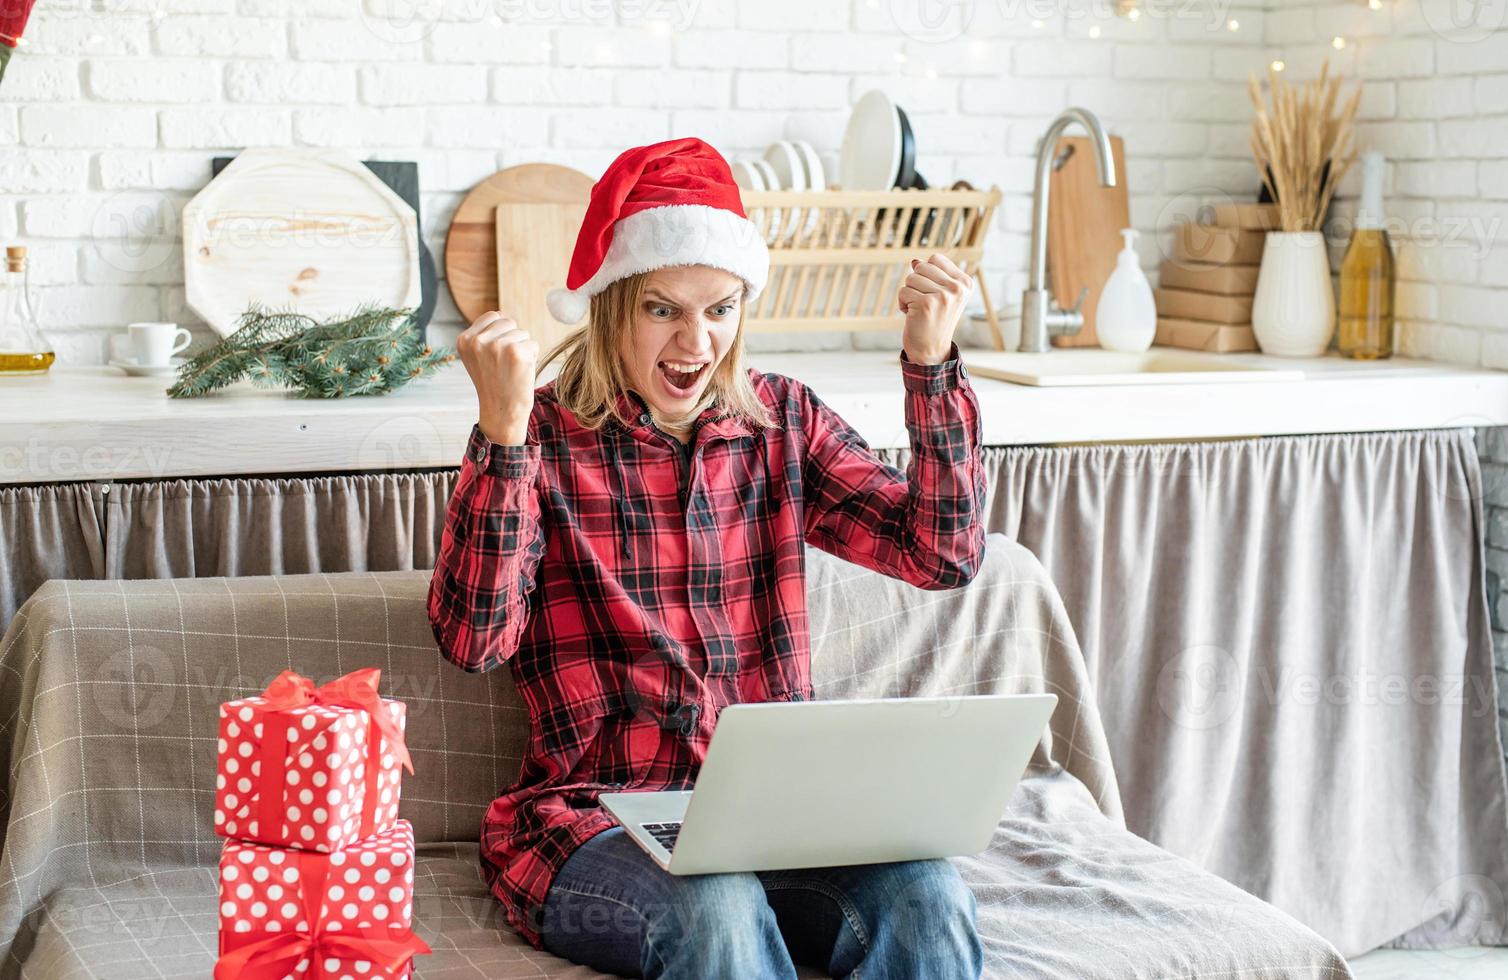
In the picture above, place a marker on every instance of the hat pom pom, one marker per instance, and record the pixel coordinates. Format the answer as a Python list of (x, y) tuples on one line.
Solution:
[(567, 306)]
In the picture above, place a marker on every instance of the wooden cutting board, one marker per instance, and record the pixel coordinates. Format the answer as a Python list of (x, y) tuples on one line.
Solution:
[(471, 252), (534, 245), (403, 179), (1084, 222), (308, 230)]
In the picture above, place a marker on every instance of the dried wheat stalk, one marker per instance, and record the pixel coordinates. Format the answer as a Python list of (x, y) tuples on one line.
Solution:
[(1295, 137)]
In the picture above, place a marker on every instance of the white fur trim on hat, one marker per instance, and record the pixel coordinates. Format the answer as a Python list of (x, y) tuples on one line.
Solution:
[(673, 234), (566, 306)]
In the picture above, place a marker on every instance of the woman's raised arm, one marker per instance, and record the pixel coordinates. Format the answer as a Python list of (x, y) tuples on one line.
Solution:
[(493, 539), (924, 526)]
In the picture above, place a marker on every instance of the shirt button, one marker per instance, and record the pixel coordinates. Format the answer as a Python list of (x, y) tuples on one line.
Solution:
[(644, 419)]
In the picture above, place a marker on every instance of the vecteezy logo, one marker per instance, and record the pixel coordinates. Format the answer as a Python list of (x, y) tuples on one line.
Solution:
[(403, 442), (1464, 21), (678, 234), (1200, 688), (401, 21), (932, 21), (136, 231), (1196, 206), (134, 688)]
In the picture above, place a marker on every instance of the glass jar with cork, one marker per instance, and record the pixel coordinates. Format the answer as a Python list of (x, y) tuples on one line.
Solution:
[(23, 348)]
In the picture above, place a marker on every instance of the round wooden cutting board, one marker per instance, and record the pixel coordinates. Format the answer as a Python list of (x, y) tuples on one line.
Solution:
[(308, 230), (543, 204)]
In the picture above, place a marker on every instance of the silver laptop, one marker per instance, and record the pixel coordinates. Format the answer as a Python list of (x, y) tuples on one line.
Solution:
[(803, 784)]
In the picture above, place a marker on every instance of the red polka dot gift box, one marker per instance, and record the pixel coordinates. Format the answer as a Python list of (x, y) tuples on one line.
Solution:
[(289, 914), (315, 768)]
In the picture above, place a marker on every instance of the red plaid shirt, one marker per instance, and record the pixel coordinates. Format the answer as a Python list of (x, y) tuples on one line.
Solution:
[(636, 586)]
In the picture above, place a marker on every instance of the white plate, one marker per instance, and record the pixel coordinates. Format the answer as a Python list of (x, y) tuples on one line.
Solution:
[(811, 165), (786, 162), (767, 174), (771, 183), (789, 171), (746, 177), (750, 178), (816, 180), (871, 154), (135, 370)]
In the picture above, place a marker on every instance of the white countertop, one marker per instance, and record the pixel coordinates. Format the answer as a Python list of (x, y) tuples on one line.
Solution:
[(97, 424)]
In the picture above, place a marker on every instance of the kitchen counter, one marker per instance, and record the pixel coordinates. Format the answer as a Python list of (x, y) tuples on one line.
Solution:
[(97, 424)]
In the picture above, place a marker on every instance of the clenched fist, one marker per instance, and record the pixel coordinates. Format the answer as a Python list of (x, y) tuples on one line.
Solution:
[(932, 297), (501, 359)]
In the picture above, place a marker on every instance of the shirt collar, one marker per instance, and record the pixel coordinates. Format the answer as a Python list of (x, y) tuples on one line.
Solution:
[(631, 405)]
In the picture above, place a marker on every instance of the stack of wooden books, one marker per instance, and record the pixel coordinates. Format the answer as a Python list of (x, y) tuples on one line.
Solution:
[(1205, 290)]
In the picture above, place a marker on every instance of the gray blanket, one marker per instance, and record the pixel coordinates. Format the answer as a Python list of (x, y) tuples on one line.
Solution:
[(108, 695)]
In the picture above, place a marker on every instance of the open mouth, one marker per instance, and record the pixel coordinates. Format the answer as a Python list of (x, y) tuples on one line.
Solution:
[(681, 378)]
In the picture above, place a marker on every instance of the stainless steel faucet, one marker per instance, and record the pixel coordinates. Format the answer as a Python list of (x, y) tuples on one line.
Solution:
[(1041, 317)]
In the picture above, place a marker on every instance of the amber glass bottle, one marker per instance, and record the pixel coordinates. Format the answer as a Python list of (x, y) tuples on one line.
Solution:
[(1366, 275)]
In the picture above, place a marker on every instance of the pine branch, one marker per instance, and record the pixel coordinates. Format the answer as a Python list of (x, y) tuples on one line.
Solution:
[(372, 351)]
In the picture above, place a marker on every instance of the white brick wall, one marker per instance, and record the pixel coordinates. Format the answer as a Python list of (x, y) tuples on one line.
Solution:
[(1436, 104), (134, 103)]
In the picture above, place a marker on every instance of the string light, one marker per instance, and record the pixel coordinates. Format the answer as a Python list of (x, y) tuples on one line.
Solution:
[(1337, 42), (1375, 4), (1094, 31), (931, 74), (900, 57), (1277, 64), (1233, 25), (1037, 24), (1134, 14)]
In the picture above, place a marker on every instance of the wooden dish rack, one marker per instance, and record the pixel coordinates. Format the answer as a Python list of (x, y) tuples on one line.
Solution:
[(837, 257)]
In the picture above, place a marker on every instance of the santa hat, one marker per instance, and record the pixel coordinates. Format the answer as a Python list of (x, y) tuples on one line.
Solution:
[(667, 204)]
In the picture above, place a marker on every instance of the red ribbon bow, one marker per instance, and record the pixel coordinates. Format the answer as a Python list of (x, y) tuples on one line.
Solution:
[(271, 955), (358, 689), (278, 953)]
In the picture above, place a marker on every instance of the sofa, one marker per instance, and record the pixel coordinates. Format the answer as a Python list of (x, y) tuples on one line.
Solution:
[(108, 704)]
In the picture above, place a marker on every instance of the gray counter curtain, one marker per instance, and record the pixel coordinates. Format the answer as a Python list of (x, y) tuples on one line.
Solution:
[(246, 526), (1288, 639), (1290, 645)]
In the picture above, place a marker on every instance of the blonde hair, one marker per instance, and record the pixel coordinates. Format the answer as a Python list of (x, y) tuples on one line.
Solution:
[(592, 376)]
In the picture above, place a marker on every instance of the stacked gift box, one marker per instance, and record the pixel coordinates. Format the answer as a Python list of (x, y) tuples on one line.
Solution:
[(1205, 290), (317, 871)]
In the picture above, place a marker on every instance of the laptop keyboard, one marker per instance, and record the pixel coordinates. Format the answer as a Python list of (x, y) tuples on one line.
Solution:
[(665, 832)]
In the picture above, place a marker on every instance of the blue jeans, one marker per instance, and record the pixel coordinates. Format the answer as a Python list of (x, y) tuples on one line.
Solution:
[(613, 909)]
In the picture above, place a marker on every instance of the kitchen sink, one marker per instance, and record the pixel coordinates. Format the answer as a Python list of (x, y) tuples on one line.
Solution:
[(1094, 366)]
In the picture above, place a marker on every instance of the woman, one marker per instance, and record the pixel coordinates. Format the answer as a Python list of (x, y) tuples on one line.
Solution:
[(629, 539)]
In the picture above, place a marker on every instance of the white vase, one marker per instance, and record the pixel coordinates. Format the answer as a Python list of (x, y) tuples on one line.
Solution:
[(1293, 313)]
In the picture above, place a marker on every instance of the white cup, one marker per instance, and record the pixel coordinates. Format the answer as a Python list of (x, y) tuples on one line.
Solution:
[(154, 344)]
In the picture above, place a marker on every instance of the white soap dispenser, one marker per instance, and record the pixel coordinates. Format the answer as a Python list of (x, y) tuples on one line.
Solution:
[(1126, 317)]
